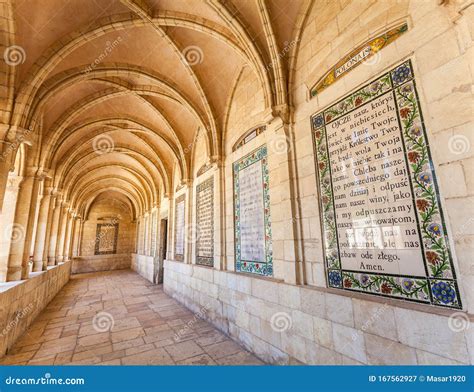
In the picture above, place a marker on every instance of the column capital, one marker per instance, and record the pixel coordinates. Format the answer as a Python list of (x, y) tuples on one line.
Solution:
[(42, 175), (14, 181), (48, 190)]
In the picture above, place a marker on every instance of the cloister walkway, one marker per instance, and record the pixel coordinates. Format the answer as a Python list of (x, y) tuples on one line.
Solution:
[(119, 318)]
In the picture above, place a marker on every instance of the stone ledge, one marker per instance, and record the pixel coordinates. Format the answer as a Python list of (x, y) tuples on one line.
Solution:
[(22, 302), (100, 263)]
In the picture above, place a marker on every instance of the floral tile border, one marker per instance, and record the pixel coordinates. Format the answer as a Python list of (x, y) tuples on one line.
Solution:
[(204, 260), (266, 268), (439, 286), (357, 57)]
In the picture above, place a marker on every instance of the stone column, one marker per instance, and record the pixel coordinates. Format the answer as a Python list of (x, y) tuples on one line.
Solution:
[(219, 216), (75, 236), (73, 249), (5, 166), (17, 262), (189, 243), (49, 224), (150, 233), (32, 216), (53, 237), (7, 217), (35, 224), (284, 213), (62, 232), (67, 238), (170, 234), (41, 227), (79, 238)]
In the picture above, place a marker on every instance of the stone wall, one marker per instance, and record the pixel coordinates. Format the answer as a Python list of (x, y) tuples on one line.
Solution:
[(104, 212), (286, 324), (332, 326), (439, 44), (100, 263), (145, 266), (22, 301)]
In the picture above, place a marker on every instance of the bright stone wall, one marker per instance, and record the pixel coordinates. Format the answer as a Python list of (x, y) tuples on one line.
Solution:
[(285, 324), (332, 326)]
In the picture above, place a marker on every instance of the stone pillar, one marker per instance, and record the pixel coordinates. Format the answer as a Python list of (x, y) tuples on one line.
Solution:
[(75, 236), (41, 228), (170, 234), (17, 262), (7, 217), (67, 238), (49, 224), (188, 223), (62, 233), (53, 237), (286, 260), (73, 249), (5, 167), (150, 233), (35, 224), (32, 216), (79, 236), (219, 216)]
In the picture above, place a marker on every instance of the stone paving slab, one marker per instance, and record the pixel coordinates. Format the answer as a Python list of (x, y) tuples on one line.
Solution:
[(119, 318)]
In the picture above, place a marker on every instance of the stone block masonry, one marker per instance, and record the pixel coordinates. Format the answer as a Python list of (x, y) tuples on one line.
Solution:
[(22, 301), (287, 324)]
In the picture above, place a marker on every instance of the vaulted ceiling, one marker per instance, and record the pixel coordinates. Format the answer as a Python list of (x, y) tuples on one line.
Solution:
[(117, 91)]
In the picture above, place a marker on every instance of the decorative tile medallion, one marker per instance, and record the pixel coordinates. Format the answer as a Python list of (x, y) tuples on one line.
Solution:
[(248, 136), (357, 57), (384, 231), (106, 239), (179, 229), (252, 225), (205, 222)]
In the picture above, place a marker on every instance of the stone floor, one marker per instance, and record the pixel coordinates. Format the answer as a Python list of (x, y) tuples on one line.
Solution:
[(149, 328)]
